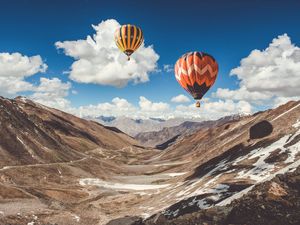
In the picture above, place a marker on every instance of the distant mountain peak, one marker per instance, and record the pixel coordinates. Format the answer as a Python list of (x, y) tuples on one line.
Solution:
[(106, 118), (157, 119)]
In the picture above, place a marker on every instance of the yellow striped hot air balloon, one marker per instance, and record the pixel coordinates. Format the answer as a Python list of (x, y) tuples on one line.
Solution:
[(128, 38)]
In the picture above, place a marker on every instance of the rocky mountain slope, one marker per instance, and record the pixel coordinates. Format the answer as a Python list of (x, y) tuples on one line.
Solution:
[(106, 178), (273, 202), (224, 163), (169, 135), (32, 133)]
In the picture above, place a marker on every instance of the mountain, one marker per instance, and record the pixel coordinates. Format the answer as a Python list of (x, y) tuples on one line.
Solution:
[(244, 171), (231, 166), (135, 126), (106, 119), (169, 135), (32, 133), (273, 202)]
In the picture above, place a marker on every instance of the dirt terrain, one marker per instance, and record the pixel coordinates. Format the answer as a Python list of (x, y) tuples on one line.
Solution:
[(56, 168)]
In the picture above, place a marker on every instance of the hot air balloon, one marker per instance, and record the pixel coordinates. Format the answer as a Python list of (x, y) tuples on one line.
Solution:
[(196, 72), (128, 38)]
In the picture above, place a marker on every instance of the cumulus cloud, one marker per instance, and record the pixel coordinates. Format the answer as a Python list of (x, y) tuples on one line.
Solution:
[(117, 107), (227, 107), (180, 99), (10, 86), (213, 109), (242, 94), (121, 107), (147, 108), (14, 68), (281, 100), (99, 61), (269, 74), (17, 65), (52, 93)]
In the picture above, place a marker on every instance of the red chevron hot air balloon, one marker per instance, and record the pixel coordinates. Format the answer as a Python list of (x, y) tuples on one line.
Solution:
[(196, 72)]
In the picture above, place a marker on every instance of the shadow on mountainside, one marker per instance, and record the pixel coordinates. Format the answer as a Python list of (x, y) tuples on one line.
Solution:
[(261, 129)]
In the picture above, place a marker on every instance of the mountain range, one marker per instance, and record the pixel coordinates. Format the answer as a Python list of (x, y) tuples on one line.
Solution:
[(168, 135), (133, 127), (56, 168)]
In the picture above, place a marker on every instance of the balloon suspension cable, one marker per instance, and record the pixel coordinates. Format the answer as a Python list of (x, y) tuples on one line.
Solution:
[(198, 104)]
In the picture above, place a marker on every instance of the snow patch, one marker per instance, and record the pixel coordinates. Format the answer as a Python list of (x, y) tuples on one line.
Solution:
[(171, 163), (174, 174), (20, 140), (77, 218), (145, 215), (297, 124), (119, 186), (262, 169)]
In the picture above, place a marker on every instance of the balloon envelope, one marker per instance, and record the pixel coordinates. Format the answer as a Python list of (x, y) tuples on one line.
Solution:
[(196, 72), (129, 38)]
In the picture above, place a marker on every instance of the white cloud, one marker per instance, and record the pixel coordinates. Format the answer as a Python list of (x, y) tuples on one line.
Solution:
[(117, 107), (121, 107), (227, 107), (148, 106), (14, 68), (10, 86), (168, 68), (99, 61), (272, 74), (17, 65), (213, 109), (281, 100), (146, 109), (53, 93), (180, 99), (241, 94)]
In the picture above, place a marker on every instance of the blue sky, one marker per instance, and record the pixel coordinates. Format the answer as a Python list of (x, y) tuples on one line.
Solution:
[(228, 30)]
